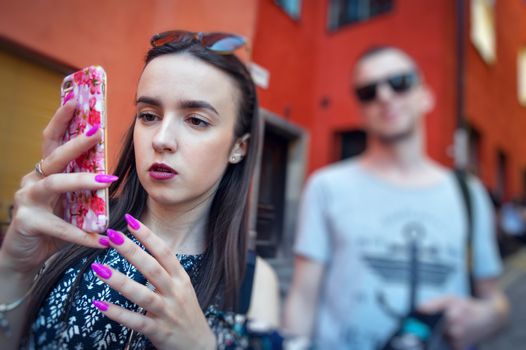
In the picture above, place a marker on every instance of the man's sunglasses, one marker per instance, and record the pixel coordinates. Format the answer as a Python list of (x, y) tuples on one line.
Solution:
[(221, 43), (399, 83)]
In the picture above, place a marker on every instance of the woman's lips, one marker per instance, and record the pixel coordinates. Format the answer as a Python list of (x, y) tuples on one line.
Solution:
[(160, 175), (160, 171)]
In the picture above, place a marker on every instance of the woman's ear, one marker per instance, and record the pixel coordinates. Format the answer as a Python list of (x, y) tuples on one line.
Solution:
[(239, 150)]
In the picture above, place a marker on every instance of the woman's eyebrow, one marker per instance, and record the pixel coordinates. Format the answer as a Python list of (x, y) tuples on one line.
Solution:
[(197, 104), (185, 104), (148, 100)]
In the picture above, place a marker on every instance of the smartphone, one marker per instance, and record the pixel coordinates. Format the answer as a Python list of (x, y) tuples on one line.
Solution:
[(88, 210)]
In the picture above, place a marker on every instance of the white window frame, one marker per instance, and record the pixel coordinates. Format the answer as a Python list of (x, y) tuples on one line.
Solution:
[(521, 76), (483, 29)]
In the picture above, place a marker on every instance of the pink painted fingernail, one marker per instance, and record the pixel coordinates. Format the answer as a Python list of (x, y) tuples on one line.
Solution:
[(101, 305), (104, 242), (105, 178), (132, 222), (68, 97), (115, 236), (101, 270), (93, 130)]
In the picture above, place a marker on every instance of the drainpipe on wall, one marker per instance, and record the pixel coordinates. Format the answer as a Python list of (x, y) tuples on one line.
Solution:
[(461, 133)]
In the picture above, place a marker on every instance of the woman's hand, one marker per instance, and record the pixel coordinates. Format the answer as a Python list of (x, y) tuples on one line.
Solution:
[(37, 230), (174, 319)]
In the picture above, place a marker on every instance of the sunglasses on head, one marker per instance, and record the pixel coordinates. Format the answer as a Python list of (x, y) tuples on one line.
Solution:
[(221, 43), (399, 83)]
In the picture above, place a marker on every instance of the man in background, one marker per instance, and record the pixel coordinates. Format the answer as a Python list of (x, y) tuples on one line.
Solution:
[(384, 233)]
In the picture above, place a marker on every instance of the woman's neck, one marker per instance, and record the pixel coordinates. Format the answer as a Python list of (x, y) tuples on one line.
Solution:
[(182, 226)]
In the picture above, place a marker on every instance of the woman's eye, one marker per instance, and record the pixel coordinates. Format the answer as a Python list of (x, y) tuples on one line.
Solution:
[(197, 122), (147, 117)]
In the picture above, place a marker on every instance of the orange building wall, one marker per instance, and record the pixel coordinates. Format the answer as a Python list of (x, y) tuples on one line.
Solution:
[(115, 34), (491, 99), (311, 63), (425, 31), (287, 48), (307, 63)]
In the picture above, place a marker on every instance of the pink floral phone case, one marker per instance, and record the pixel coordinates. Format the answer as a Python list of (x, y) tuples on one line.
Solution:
[(88, 209)]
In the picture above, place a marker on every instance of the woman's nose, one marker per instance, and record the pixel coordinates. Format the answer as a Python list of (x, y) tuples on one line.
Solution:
[(165, 139)]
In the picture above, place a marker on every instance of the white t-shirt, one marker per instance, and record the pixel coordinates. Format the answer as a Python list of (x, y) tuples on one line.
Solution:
[(364, 230)]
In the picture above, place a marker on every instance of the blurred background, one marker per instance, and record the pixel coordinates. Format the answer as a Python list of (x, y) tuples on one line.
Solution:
[(472, 52)]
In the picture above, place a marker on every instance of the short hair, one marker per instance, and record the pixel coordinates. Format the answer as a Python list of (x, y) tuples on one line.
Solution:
[(377, 49)]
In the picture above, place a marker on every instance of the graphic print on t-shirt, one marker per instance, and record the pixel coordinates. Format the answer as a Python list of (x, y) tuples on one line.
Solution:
[(413, 264), (410, 255)]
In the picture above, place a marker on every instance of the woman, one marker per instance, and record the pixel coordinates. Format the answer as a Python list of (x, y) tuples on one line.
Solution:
[(196, 122)]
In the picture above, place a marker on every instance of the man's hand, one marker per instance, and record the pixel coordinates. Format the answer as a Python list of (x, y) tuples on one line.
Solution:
[(469, 320)]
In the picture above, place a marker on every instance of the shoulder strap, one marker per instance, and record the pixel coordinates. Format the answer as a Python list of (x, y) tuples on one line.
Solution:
[(461, 177), (246, 288)]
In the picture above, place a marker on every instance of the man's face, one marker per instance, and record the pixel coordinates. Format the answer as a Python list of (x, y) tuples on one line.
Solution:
[(392, 97)]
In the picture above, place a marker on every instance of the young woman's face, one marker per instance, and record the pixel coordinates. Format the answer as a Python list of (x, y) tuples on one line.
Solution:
[(184, 132)]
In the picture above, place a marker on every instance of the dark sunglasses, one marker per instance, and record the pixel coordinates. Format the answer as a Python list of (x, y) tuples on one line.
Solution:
[(221, 43), (399, 83)]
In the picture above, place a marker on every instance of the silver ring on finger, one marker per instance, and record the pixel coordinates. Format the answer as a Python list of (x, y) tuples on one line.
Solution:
[(38, 168)]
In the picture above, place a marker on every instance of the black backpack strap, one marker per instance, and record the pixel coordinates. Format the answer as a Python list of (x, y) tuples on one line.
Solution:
[(248, 281), (461, 177)]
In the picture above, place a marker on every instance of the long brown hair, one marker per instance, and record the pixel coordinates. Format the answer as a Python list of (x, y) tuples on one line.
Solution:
[(223, 266)]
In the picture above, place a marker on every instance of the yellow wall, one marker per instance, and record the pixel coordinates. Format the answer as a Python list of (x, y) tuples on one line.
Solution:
[(29, 96)]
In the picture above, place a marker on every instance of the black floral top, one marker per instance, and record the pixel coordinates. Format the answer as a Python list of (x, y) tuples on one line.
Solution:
[(87, 328)]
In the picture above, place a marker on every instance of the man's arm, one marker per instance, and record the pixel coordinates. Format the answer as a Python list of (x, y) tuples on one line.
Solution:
[(489, 292), (302, 301)]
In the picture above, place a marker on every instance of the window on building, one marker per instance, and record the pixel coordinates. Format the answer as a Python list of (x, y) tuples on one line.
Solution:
[(521, 78), (343, 12), (502, 174), (291, 7), (351, 143), (483, 28)]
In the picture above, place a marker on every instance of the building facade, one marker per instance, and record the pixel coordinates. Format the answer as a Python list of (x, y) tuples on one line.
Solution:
[(302, 53)]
